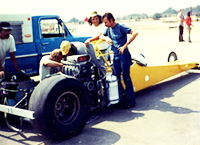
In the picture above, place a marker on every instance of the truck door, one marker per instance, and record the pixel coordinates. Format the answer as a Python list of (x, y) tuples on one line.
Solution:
[(52, 34)]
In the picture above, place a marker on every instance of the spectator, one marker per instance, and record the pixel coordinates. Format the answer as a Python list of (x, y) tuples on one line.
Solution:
[(188, 23), (181, 19), (86, 20)]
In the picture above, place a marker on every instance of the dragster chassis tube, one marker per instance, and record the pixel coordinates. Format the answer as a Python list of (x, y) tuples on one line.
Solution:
[(17, 111)]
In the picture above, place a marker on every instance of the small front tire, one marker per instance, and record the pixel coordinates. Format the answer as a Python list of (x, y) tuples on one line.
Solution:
[(172, 57)]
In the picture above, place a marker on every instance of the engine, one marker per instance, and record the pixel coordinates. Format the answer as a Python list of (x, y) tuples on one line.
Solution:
[(102, 90), (78, 66)]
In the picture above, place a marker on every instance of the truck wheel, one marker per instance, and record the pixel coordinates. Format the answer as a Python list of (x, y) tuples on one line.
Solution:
[(172, 57), (61, 107)]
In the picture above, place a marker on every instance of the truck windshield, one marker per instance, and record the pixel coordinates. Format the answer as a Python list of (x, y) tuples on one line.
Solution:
[(51, 28)]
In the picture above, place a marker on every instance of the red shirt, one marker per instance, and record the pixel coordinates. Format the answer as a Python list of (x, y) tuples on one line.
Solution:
[(188, 21), (86, 19)]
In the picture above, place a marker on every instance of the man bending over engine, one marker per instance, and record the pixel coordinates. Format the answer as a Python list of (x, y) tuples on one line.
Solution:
[(50, 64)]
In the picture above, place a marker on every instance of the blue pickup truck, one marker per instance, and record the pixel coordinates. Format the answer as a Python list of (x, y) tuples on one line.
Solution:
[(36, 36)]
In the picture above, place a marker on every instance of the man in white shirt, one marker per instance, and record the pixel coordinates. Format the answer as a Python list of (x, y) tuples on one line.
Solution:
[(7, 44), (50, 64), (97, 29)]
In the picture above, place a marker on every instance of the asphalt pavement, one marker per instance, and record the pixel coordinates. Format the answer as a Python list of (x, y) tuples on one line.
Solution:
[(166, 114)]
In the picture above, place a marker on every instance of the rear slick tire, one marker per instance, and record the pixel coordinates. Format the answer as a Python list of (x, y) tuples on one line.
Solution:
[(61, 109)]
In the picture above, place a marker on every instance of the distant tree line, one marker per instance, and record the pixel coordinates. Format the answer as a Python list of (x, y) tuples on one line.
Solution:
[(135, 17), (197, 10), (167, 13), (171, 11), (74, 20)]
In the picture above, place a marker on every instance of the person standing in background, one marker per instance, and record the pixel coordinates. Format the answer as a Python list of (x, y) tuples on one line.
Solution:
[(181, 19), (188, 23)]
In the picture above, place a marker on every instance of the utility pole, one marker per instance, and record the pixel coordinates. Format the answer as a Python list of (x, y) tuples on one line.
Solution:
[(190, 7)]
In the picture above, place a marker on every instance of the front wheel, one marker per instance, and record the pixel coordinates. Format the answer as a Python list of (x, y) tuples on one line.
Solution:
[(61, 109), (172, 57)]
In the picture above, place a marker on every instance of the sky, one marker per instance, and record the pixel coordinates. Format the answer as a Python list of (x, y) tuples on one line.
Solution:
[(68, 9)]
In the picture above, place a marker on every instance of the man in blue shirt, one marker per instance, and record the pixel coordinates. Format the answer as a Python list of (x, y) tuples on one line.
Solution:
[(116, 36)]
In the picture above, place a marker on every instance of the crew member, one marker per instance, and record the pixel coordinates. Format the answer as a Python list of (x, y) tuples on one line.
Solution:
[(50, 64), (116, 36), (78, 48), (7, 44), (72, 48)]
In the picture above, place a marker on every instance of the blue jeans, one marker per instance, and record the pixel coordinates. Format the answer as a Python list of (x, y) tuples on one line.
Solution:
[(122, 64)]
